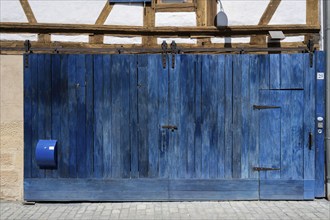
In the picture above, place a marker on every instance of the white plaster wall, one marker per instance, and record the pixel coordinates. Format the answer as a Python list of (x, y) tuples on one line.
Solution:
[(69, 38), (177, 40), (176, 19), (243, 12), (122, 40), (11, 11), (67, 12), (126, 14), (20, 37)]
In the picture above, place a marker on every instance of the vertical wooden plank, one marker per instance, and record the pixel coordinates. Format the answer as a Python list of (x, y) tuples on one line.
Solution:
[(213, 117), (190, 112), (29, 73), (174, 117), (291, 71), (319, 140), (143, 115), (72, 105), (153, 127), (81, 148), (98, 121), (286, 139), (228, 116), (270, 134), (47, 102), (264, 73), (286, 71), (56, 104), (107, 116), (309, 123), (253, 84), (297, 78), (198, 117), (125, 147), (184, 112), (237, 116), (297, 130), (206, 115), (38, 113), (220, 81), (116, 105), (63, 144), (246, 116), (47, 96), (190, 109), (163, 117), (133, 107), (275, 71), (89, 115)]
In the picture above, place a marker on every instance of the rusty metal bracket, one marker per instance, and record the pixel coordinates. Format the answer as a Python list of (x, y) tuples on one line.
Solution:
[(164, 53), (311, 49), (174, 51), (27, 48)]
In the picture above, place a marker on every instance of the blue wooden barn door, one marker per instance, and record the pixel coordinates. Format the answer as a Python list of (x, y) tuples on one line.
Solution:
[(206, 127)]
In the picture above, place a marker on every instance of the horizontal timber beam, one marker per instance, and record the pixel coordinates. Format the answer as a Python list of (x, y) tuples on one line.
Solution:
[(10, 27), (17, 47)]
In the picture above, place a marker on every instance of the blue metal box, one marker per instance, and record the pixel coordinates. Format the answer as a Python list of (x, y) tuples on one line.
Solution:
[(46, 155)]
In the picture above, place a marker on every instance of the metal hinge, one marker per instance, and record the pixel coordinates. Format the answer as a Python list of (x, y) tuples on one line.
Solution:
[(264, 168), (174, 51), (164, 52), (27, 47), (259, 107), (310, 47)]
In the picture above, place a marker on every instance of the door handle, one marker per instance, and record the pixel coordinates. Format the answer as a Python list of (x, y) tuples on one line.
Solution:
[(310, 140), (170, 127)]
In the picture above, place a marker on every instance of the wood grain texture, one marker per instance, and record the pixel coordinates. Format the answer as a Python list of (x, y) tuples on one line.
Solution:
[(319, 137), (108, 111), (9, 27)]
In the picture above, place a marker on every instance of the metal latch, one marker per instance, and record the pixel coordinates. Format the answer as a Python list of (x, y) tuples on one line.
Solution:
[(259, 107), (264, 168), (170, 127)]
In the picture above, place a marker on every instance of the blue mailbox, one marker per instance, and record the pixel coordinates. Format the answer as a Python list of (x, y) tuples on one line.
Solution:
[(46, 153)]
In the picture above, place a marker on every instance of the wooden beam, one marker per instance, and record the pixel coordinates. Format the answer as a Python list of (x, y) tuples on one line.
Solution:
[(104, 13), (211, 11), (175, 7), (312, 17), (28, 11), (149, 21), (17, 47), (312, 12), (265, 19), (98, 38), (201, 19), (115, 30)]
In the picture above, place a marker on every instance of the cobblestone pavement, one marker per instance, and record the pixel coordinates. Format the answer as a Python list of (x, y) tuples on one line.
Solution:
[(318, 209)]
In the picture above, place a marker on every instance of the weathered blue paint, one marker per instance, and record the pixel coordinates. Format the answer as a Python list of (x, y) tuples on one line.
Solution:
[(319, 137), (108, 114)]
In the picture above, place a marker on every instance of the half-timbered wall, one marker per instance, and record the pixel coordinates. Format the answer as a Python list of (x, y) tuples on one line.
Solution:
[(250, 12)]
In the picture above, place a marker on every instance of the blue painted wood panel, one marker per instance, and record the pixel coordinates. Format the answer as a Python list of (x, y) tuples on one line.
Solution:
[(108, 111), (320, 134)]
